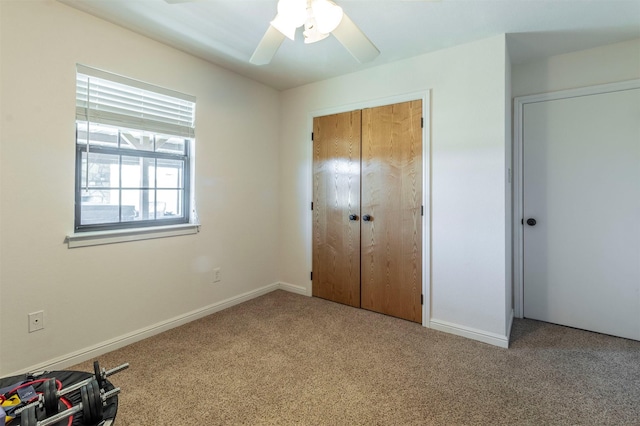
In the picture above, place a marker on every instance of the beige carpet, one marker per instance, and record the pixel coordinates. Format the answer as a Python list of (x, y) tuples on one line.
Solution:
[(287, 359)]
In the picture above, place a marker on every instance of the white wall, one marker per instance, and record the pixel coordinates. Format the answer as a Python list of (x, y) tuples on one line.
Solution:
[(606, 64), (468, 148), (99, 294), (1, 198)]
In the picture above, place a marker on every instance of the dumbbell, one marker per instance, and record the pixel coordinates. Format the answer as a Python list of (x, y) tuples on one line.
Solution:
[(99, 375), (51, 395), (91, 407)]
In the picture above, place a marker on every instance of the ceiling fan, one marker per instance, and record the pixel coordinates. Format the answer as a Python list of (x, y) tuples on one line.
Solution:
[(320, 18)]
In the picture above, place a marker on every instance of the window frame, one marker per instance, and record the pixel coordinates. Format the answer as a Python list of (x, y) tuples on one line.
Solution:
[(91, 113)]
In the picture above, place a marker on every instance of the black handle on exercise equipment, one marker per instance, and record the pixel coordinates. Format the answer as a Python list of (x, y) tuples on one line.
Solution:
[(366, 218)]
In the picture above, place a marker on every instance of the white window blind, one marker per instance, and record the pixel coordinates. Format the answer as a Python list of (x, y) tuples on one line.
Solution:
[(106, 98)]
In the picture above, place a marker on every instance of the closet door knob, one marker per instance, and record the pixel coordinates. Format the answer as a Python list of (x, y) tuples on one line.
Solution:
[(353, 217), (366, 218), (531, 222)]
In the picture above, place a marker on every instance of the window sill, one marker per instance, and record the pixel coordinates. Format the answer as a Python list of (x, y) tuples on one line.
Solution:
[(85, 239)]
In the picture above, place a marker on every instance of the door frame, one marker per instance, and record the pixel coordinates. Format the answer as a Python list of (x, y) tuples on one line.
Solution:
[(425, 96), (518, 162)]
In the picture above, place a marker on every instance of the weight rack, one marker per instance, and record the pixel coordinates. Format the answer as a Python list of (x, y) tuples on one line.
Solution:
[(72, 394)]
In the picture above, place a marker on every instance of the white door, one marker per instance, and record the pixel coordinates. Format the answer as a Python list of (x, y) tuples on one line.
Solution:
[(581, 175)]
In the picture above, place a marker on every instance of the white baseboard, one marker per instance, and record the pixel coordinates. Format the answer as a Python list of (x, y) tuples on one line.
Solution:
[(470, 333), (94, 351), (292, 288), (91, 352)]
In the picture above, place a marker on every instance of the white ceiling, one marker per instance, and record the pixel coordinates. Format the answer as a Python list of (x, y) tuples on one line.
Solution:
[(226, 32)]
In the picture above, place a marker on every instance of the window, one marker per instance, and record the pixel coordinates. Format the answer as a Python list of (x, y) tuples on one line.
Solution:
[(133, 144)]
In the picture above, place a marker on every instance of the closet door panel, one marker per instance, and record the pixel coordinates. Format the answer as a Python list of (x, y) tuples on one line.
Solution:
[(336, 197), (391, 240)]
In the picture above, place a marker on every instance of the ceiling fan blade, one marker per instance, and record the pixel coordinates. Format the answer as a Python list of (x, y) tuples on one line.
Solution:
[(267, 47), (354, 40)]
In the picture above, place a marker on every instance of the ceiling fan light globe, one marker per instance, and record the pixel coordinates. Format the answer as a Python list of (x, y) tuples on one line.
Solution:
[(284, 26), (328, 15), (294, 12)]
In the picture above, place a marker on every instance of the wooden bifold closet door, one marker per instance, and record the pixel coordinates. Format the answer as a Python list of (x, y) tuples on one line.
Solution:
[(367, 195), (336, 197)]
